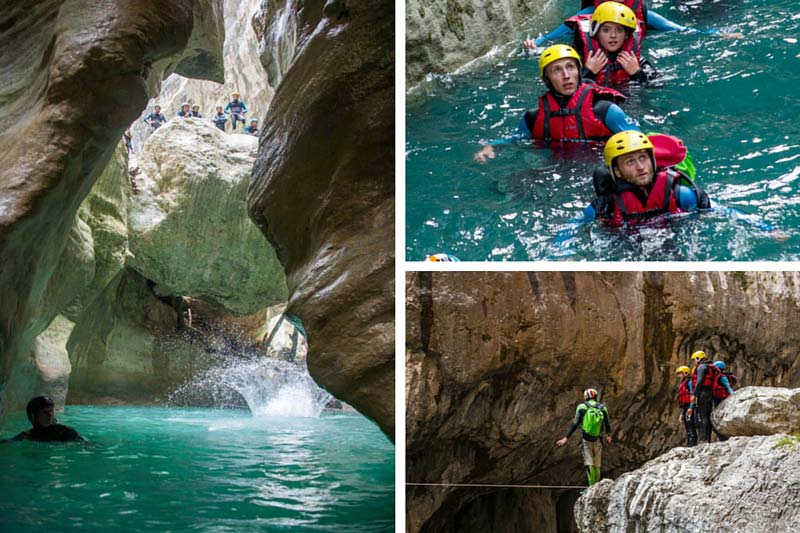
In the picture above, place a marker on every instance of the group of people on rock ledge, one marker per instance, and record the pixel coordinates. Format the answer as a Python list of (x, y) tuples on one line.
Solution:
[(235, 111), (700, 389)]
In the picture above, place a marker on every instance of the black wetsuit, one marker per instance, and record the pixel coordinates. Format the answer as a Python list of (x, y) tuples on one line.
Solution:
[(56, 432), (704, 403)]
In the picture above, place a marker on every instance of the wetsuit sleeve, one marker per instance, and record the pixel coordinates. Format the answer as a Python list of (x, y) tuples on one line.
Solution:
[(578, 419), (657, 22), (701, 374), (726, 384), (561, 31), (588, 75), (606, 421), (614, 117), (560, 245), (522, 133), (244, 107), (687, 198), (147, 118), (20, 436), (227, 108)]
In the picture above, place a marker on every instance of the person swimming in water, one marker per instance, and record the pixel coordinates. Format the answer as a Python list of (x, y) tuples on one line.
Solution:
[(610, 43), (644, 177), (572, 110), (46, 428), (652, 22)]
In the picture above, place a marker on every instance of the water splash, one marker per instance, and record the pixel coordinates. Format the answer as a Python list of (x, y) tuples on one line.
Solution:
[(269, 387)]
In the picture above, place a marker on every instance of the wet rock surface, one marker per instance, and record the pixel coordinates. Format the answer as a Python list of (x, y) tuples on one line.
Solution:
[(81, 73), (758, 411), (442, 35), (323, 193), (189, 228), (497, 362), (743, 484)]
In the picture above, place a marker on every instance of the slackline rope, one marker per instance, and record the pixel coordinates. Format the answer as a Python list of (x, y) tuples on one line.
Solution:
[(494, 486)]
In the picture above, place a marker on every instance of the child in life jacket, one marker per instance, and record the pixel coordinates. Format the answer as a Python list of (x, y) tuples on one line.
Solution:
[(610, 43)]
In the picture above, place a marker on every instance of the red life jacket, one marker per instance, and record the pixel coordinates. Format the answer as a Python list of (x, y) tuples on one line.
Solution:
[(628, 207), (612, 73), (684, 396), (709, 379), (720, 392), (637, 6), (576, 121)]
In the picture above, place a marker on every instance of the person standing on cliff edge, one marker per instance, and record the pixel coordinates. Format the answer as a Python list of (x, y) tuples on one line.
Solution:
[(704, 376), (592, 416)]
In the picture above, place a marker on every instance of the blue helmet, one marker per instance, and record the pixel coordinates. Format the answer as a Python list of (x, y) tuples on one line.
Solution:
[(720, 365)]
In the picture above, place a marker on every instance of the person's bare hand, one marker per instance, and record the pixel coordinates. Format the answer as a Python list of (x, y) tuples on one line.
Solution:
[(596, 61), (733, 35), (608, 439), (487, 152), (562, 442), (779, 236), (680, 418), (528, 44), (629, 62)]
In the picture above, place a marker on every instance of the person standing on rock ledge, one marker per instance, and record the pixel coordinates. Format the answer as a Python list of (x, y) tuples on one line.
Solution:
[(592, 416), (156, 118), (220, 118), (237, 109), (684, 395), (703, 377)]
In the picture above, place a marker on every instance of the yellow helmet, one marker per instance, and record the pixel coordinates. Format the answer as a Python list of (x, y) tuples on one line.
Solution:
[(626, 142), (699, 354), (612, 12), (684, 369), (556, 52)]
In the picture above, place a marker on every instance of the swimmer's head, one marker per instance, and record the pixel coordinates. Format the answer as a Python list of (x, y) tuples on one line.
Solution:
[(612, 24), (630, 156), (560, 67), (40, 411)]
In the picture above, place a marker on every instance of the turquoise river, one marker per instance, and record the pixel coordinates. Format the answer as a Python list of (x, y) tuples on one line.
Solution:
[(191, 469), (735, 103)]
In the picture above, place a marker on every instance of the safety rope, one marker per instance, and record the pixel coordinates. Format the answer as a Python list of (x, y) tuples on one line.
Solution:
[(489, 485)]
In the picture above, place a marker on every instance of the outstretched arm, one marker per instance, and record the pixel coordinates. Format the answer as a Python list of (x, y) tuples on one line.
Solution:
[(657, 22), (490, 149), (560, 247), (562, 31)]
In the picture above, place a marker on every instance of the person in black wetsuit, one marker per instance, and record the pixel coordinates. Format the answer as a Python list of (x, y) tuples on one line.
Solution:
[(703, 376), (45, 426)]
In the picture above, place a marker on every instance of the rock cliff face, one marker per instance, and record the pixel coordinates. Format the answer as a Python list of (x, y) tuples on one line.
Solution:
[(496, 363), (743, 484), (189, 228), (323, 193), (442, 35), (81, 73), (242, 72)]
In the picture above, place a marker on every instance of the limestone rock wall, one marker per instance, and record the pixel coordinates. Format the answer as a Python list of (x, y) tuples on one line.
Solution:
[(242, 71), (743, 484), (79, 72), (190, 231), (496, 363), (442, 35), (759, 411), (323, 193)]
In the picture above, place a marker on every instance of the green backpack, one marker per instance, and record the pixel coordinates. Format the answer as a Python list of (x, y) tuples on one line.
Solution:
[(593, 419)]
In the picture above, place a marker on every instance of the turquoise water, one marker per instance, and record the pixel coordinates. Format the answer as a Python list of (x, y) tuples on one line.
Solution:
[(157, 469), (736, 104)]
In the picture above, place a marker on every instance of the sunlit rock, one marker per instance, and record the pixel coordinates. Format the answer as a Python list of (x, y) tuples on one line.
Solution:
[(189, 228), (758, 411), (743, 484)]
